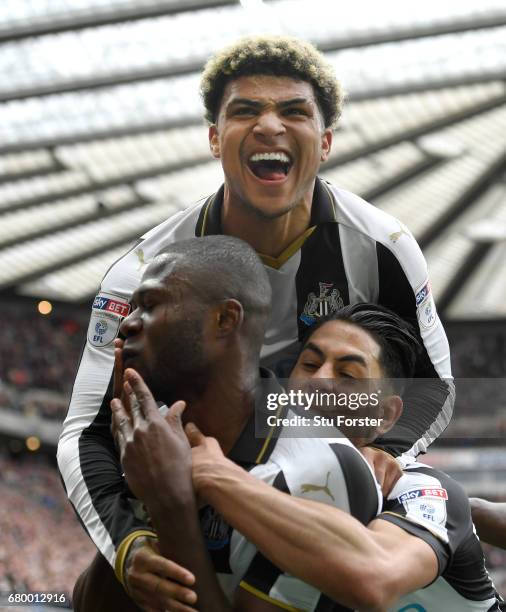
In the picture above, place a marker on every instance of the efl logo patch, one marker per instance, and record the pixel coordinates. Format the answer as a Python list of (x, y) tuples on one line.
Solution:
[(417, 493), (427, 507), (106, 315), (426, 312)]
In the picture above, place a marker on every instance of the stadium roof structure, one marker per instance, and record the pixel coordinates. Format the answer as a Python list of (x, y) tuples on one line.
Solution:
[(102, 136)]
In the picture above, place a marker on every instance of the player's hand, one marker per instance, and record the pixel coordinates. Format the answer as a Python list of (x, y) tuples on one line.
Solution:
[(154, 450), (154, 582), (385, 467), (207, 458)]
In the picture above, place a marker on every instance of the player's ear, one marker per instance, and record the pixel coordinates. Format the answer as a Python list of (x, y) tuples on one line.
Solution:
[(326, 144), (391, 410), (229, 317), (214, 143)]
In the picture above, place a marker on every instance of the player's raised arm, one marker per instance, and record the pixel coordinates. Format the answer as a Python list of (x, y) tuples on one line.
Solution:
[(87, 456), (429, 400)]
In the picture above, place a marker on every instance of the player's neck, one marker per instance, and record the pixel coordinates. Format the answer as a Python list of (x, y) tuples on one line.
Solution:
[(266, 235), (225, 407)]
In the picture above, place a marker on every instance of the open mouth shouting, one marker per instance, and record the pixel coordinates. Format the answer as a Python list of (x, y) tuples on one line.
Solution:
[(273, 167)]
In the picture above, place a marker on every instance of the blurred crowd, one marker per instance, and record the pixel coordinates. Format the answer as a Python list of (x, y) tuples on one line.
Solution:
[(43, 547), (42, 403), (39, 356), (40, 351), (478, 351), (479, 365)]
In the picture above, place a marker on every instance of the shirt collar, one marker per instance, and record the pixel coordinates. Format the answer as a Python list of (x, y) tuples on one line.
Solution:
[(209, 223), (322, 210), (250, 449)]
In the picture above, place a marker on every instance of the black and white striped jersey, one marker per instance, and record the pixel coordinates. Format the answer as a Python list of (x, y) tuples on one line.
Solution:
[(425, 502), (351, 252), (430, 505), (330, 470)]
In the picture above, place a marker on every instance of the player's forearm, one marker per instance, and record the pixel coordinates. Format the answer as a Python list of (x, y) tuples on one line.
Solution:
[(490, 521), (321, 545), (180, 540)]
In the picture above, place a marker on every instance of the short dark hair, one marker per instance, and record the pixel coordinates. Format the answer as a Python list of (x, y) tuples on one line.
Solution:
[(398, 341), (223, 267), (282, 56)]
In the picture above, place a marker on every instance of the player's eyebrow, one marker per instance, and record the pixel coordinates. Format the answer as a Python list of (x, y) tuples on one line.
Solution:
[(293, 101), (310, 346), (245, 102), (350, 358), (258, 104)]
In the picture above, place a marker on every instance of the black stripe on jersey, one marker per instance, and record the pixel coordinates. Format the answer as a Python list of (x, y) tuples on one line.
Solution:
[(360, 484), (325, 604), (320, 282), (321, 278), (395, 291), (262, 573)]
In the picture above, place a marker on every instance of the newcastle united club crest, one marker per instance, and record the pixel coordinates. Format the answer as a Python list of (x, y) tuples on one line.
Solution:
[(322, 305)]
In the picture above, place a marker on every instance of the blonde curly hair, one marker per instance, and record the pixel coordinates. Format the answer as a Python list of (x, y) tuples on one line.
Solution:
[(272, 55)]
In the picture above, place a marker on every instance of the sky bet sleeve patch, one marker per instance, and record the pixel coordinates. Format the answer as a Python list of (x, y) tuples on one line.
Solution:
[(427, 506), (107, 313)]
